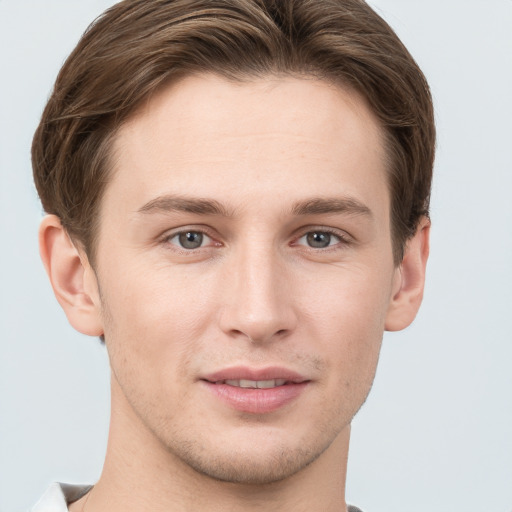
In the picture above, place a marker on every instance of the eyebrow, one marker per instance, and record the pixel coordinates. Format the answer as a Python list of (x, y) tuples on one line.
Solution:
[(319, 206), (203, 206), (173, 203)]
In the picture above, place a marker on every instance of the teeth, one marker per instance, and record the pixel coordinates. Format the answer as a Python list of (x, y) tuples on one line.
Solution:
[(256, 384), (265, 384)]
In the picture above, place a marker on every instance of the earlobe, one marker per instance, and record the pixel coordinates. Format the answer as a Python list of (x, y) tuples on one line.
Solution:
[(72, 278), (410, 280)]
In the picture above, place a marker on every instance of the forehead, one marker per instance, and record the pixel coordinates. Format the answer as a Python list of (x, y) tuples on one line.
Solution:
[(210, 137)]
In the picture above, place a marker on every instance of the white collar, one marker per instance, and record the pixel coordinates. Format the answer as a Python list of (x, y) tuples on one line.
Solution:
[(59, 496)]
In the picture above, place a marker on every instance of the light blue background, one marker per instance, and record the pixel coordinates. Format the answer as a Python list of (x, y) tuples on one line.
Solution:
[(436, 433)]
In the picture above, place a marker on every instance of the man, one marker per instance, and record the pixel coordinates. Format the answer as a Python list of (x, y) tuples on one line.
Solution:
[(237, 195)]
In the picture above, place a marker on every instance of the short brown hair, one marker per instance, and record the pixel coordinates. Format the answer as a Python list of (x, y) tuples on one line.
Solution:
[(138, 45)]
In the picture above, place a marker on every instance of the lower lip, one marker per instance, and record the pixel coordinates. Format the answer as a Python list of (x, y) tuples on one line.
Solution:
[(257, 401)]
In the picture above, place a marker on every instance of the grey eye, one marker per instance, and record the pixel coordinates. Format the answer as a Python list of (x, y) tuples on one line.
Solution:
[(319, 239), (190, 239)]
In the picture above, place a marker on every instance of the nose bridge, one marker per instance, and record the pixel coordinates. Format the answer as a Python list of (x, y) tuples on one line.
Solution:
[(259, 305)]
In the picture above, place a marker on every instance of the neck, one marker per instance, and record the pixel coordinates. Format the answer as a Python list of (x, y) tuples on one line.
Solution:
[(141, 474)]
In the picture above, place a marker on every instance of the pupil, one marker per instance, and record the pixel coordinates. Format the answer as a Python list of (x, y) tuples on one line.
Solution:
[(191, 240), (318, 239)]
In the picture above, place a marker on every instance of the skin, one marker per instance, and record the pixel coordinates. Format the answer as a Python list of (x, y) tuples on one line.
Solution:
[(254, 293)]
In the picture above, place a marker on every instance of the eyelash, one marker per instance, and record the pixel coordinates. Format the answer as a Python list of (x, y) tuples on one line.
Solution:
[(343, 239), (167, 239)]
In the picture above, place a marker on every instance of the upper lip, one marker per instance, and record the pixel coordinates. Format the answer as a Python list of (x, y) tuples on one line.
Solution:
[(247, 373)]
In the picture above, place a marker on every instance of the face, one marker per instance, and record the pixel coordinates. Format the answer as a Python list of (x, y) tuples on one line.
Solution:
[(245, 271)]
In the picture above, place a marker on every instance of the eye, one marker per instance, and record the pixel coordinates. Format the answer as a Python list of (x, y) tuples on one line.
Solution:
[(190, 239), (319, 239)]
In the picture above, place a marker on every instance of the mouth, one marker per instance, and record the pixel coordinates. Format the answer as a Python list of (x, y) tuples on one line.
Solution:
[(253, 384), (256, 391)]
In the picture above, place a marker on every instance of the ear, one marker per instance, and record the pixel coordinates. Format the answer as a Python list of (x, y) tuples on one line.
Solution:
[(409, 280), (72, 278)]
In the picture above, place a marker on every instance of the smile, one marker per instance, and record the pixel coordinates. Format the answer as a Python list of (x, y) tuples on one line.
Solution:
[(254, 384), (256, 391)]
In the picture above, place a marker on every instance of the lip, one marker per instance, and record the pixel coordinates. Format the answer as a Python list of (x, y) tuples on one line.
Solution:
[(256, 401), (244, 372)]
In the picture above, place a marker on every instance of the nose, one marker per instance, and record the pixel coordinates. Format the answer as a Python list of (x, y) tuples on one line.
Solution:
[(257, 298)]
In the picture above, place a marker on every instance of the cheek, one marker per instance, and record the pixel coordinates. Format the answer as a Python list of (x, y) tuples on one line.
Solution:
[(153, 321), (349, 300), (346, 319)]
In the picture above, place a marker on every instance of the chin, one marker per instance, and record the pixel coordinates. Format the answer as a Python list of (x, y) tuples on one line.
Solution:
[(257, 462), (250, 469)]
